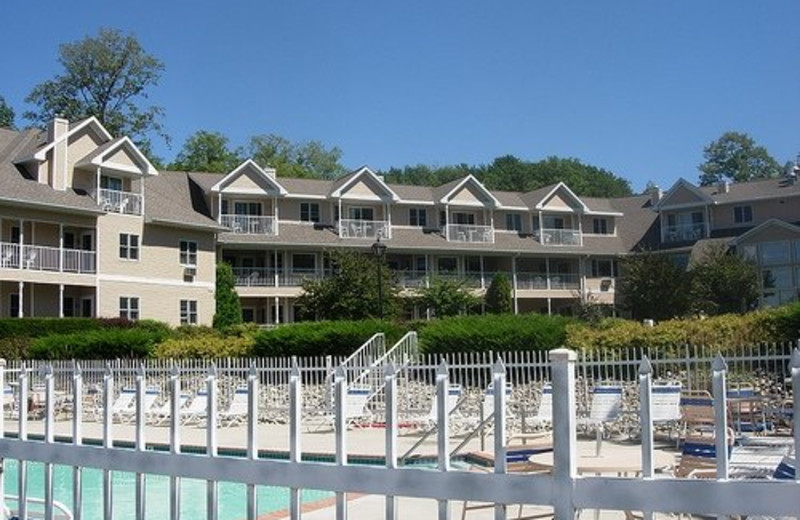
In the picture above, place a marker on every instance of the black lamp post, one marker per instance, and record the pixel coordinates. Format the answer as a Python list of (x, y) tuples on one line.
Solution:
[(379, 251)]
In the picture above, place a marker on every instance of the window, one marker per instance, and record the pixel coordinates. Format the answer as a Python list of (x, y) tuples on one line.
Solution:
[(248, 315), (420, 264), (418, 217), (110, 183), (447, 264), (247, 208), (128, 246), (304, 262), (14, 306), (773, 253), (361, 213), (309, 212), (514, 222), (602, 268), (742, 214), (600, 226), (463, 218), (69, 240), (188, 312), (129, 307), (553, 222), (188, 252)]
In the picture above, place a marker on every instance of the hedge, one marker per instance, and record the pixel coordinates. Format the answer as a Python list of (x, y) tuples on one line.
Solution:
[(322, 338), (206, 343), (99, 344), (40, 327), (498, 333)]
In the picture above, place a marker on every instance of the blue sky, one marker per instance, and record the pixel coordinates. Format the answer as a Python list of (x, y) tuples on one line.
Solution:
[(638, 88)]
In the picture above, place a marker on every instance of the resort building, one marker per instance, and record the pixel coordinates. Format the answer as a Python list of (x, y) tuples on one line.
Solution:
[(89, 227)]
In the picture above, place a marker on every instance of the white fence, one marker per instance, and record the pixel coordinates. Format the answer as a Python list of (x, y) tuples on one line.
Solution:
[(562, 488)]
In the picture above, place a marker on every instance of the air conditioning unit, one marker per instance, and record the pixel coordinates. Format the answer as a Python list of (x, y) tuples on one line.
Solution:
[(189, 272)]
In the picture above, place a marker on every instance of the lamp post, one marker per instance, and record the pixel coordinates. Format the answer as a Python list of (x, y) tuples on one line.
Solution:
[(379, 251)]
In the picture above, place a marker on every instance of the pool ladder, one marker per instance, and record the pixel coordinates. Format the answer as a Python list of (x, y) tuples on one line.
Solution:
[(62, 512)]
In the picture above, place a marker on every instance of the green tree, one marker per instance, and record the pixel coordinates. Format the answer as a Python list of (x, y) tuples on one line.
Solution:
[(6, 114), (351, 291), (724, 282), (306, 160), (106, 76), (498, 295), (206, 151), (736, 157), (654, 286), (229, 309), (446, 297)]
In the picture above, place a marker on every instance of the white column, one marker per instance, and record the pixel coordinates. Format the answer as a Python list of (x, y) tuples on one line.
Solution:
[(21, 248), (514, 283), (21, 289), (276, 214), (564, 431), (61, 248), (141, 194), (276, 310), (219, 207), (61, 300)]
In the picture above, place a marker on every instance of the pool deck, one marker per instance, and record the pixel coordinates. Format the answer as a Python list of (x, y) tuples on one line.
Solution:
[(369, 442)]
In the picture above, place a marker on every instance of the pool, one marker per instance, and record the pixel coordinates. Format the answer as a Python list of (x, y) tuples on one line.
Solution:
[(232, 497)]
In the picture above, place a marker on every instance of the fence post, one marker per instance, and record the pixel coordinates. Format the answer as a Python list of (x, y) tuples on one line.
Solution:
[(175, 439), (442, 430), (3, 431), (295, 416), (719, 370), (796, 404), (340, 419), (252, 436), (564, 433), (77, 438), (212, 489), (645, 416), (108, 442), (391, 432), (500, 464)]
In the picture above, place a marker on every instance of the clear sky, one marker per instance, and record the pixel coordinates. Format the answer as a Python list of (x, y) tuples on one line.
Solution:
[(636, 87)]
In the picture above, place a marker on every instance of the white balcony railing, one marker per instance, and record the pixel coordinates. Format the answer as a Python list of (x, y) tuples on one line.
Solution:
[(116, 201), (684, 232), (370, 229), (553, 282), (560, 237), (42, 258), (470, 233), (250, 224)]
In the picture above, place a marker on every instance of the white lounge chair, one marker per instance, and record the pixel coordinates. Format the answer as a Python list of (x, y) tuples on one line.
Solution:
[(196, 410), (428, 421), (605, 408), (356, 410), (236, 412), (162, 414), (128, 414)]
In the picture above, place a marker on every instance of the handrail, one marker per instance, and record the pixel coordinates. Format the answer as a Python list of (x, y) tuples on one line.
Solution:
[(64, 512), (433, 428)]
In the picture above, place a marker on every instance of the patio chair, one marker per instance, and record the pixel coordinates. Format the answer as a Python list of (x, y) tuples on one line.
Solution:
[(236, 413), (196, 410), (604, 410), (541, 423), (162, 414), (665, 408), (127, 414), (427, 422), (356, 410), (697, 413)]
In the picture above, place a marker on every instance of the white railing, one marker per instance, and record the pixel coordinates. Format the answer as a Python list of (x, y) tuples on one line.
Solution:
[(116, 201), (470, 233), (250, 225), (543, 282), (561, 488), (36, 508), (43, 258), (560, 237), (254, 276), (371, 229), (684, 232)]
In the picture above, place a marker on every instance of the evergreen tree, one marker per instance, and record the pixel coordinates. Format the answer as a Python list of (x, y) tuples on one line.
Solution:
[(498, 295), (229, 309)]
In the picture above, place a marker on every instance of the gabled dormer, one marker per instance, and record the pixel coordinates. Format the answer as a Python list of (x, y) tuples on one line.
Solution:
[(246, 199), (362, 205), (84, 157), (684, 213), (557, 213), (466, 210)]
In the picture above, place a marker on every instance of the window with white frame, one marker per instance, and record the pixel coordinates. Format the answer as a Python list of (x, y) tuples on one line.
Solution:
[(361, 213), (252, 209), (417, 217), (603, 268), (188, 254), (110, 183), (188, 312), (600, 226), (514, 222), (309, 212), (742, 214), (128, 246), (462, 218), (129, 307)]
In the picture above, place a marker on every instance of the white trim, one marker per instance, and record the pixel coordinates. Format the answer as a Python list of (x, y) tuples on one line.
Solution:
[(239, 170), (41, 153), (169, 282), (470, 178), (704, 198), (765, 225), (364, 170), (561, 185), (302, 196)]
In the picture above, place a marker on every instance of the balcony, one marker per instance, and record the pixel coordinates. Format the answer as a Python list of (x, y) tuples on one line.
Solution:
[(265, 277), (42, 258), (553, 282), (684, 232), (250, 225), (369, 229), (470, 234), (115, 201), (560, 237)]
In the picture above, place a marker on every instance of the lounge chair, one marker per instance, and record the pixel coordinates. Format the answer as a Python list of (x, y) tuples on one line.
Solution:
[(236, 412), (604, 410), (428, 421), (196, 410), (162, 414), (127, 414), (357, 412)]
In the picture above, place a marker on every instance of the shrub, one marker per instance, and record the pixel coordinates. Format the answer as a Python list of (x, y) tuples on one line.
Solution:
[(498, 333), (322, 338), (38, 327), (98, 344)]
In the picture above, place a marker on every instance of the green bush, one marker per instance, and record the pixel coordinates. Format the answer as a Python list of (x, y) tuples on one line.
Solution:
[(98, 344), (39, 327), (206, 342), (498, 333), (322, 338)]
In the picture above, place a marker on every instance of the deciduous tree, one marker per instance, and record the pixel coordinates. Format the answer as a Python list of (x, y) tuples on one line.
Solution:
[(498, 295), (306, 160), (724, 282), (654, 286), (107, 76), (446, 297), (206, 151), (736, 157), (6, 114), (229, 309)]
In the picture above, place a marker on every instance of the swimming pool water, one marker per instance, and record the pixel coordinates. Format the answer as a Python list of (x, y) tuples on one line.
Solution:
[(232, 497)]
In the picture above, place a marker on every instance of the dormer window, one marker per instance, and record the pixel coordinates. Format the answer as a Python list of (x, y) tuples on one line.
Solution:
[(600, 226), (110, 183), (513, 222)]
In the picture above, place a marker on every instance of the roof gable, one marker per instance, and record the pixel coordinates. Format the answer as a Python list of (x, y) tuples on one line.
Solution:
[(88, 124), (683, 193), (363, 184), (120, 155), (772, 229), (249, 179), (469, 192), (561, 198)]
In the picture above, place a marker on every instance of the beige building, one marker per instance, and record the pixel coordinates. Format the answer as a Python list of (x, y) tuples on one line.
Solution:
[(88, 227)]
